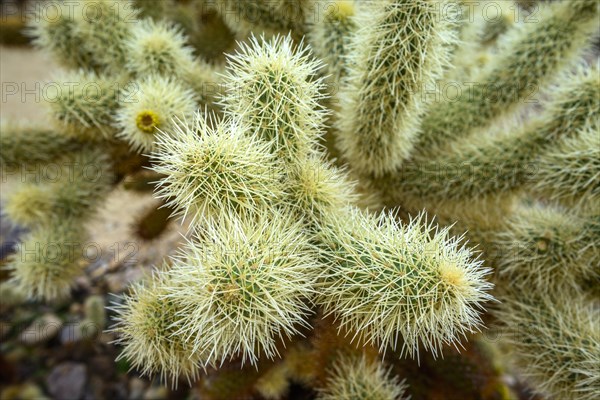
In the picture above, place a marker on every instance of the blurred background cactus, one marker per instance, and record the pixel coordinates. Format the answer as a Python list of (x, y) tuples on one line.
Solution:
[(381, 199)]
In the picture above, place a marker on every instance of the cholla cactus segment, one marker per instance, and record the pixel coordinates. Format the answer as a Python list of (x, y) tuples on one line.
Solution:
[(243, 286), (488, 164), (49, 259), (271, 87), (22, 143), (400, 51), (57, 36), (150, 106), (556, 343), (546, 248), (317, 188), (571, 171), (29, 204), (70, 188), (355, 377), (275, 383), (531, 54), (105, 26), (151, 342), (391, 283), (213, 167), (157, 48), (330, 36), (84, 107), (245, 16)]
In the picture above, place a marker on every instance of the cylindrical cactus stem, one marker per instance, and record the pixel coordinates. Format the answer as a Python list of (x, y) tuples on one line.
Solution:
[(396, 56), (480, 166), (528, 57), (317, 189), (151, 343), (68, 189), (85, 103), (355, 377), (396, 285), (57, 35), (105, 26), (571, 171), (22, 143), (243, 285), (271, 87), (212, 167), (555, 340), (150, 106), (330, 36), (271, 16), (275, 382), (157, 48), (548, 249), (49, 259)]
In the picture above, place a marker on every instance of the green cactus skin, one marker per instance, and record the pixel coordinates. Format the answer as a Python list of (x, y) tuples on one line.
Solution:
[(85, 107), (150, 341), (382, 99), (529, 57), (76, 185), (397, 285), (556, 342), (357, 378), (331, 35), (221, 169), (49, 259), (549, 249), (246, 283), (272, 89), (570, 173), (481, 166), (152, 105), (22, 143)]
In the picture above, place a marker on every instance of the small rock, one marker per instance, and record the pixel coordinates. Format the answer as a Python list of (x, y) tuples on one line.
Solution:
[(156, 393), (41, 330), (137, 387), (67, 381)]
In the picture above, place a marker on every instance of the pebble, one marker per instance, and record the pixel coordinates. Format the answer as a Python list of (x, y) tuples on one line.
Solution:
[(67, 381), (41, 330)]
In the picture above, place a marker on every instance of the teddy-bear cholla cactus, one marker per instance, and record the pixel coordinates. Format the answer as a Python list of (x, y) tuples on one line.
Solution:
[(355, 377), (550, 249), (556, 342), (234, 302), (563, 29), (102, 100), (400, 286), (54, 207), (400, 51), (476, 168)]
